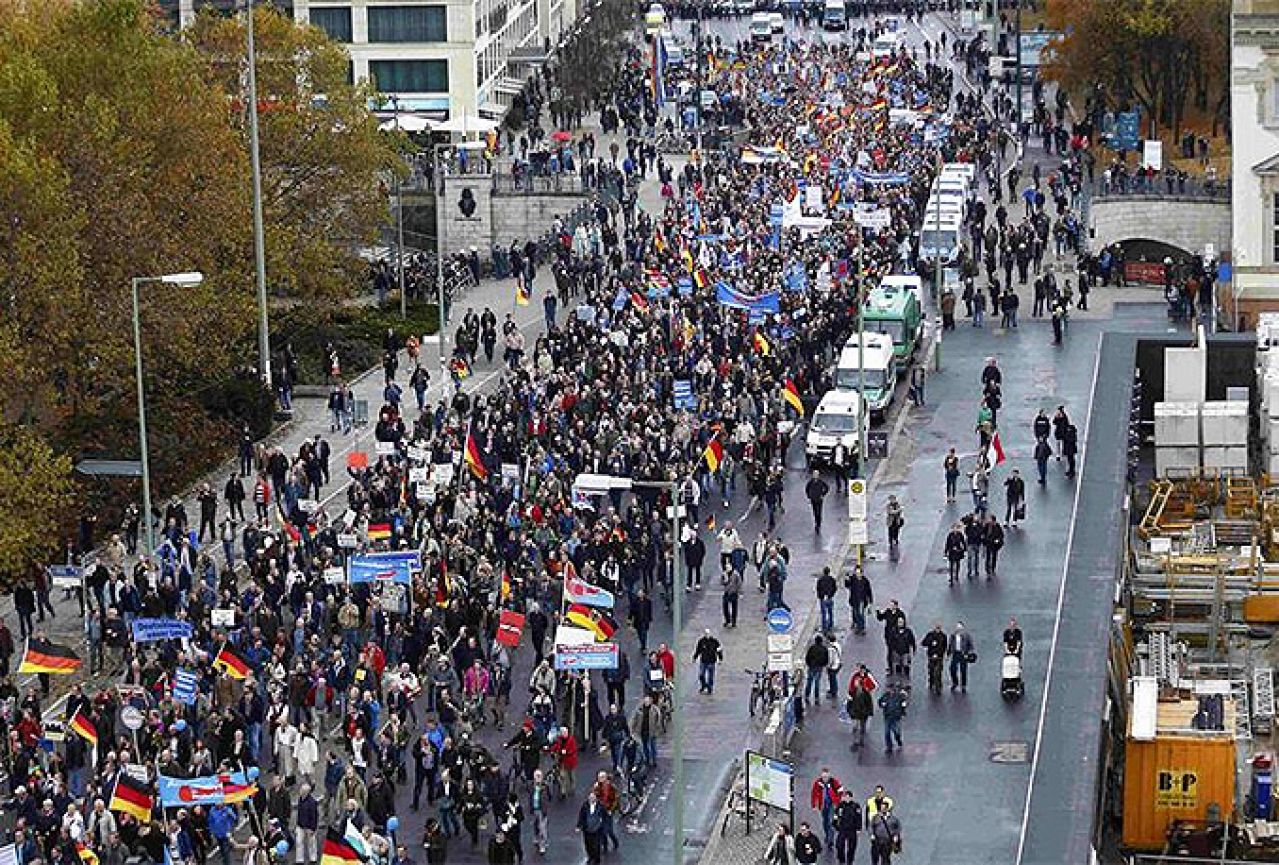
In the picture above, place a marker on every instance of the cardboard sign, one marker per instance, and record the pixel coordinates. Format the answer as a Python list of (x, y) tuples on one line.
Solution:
[(417, 453), (386, 449), (222, 618), (334, 576), (443, 473), (419, 475), (348, 541)]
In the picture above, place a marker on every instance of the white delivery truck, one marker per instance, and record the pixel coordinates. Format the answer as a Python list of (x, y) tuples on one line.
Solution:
[(838, 422)]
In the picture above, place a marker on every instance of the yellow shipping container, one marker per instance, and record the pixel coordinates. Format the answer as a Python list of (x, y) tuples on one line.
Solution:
[(1175, 777)]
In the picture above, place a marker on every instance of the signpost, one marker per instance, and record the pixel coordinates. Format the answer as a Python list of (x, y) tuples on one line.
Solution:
[(781, 648), (771, 782), (858, 532), (780, 621)]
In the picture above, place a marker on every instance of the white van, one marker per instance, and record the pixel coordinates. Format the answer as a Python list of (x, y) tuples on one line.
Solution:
[(838, 421), (887, 45), (946, 204), (941, 238), (761, 27), (877, 369), (950, 184), (966, 170)]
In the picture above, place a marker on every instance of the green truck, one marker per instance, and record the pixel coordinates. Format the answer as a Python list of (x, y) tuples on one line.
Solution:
[(894, 310)]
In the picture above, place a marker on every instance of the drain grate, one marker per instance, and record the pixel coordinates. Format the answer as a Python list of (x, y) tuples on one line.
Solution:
[(1010, 752)]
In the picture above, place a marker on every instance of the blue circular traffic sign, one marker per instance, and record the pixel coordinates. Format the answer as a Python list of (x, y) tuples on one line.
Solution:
[(780, 621)]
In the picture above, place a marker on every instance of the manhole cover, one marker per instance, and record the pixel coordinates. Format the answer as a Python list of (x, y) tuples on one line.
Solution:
[(1010, 752)]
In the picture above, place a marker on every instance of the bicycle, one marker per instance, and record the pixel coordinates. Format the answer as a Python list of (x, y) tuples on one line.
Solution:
[(664, 700), (766, 690), (739, 804), (631, 793)]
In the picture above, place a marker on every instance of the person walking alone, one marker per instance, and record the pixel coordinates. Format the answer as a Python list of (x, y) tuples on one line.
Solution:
[(707, 653), (816, 490), (956, 549), (826, 588), (893, 704), (732, 594), (992, 542), (824, 798), (961, 652), (895, 518), (1014, 499), (950, 467)]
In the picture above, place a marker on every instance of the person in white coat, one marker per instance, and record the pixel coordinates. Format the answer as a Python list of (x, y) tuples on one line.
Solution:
[(306, 754), (286, 739)]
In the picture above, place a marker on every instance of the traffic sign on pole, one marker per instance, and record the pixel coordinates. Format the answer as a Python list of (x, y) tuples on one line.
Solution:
[(780, 621)]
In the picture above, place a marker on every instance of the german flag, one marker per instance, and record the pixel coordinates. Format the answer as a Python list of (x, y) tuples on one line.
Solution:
[(701, 277), (132, 798), (521, 294), (337, 850), (379, 531), (230, 662), (474, 459), (592, 620), (761, 344), (83, 727), (790, 393), (505, 591), (235, 793), (87, 856), (714, 454), (45, 657)]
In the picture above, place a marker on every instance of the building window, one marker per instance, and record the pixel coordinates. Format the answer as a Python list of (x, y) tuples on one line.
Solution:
[(408, 24), (410, 76), (333, 20), (1274, 229)]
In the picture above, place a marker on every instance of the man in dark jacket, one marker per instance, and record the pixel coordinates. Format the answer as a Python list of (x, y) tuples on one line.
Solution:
[(807, 847), (956, 549), (815, 661), (1015, 499), (707, 653), (934, 644), (694, 555), (815, 490), (848, 823), (826, 589), (893, 703), (860, 598)]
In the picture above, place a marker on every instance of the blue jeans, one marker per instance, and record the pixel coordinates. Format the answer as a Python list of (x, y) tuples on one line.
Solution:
[(958, 670), (813, 684), (449, 822), (828, 823), (827, 606), (892, 731), (859, 617), (650, 750), (706, 676)]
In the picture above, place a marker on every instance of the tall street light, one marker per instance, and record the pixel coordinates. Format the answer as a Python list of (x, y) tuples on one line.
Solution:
[(593, 484), (259, 244), (188, 279)]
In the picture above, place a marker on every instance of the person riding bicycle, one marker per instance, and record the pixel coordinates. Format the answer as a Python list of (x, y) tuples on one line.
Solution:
[(934, 644)]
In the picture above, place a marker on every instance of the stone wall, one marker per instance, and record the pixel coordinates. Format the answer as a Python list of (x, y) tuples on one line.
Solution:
[(1186, 223), (496, 219)]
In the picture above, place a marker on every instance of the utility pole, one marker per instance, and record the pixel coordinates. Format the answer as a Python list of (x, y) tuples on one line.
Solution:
[(259, 243)]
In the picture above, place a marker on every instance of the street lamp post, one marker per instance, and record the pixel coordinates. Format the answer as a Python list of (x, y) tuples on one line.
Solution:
[(596, 484), (436, 149), (185, 280), (399, 226), (259, 243)]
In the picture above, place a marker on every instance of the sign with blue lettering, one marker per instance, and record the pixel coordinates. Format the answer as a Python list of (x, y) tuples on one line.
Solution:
[(150, 630), (682, 396), (385, 567), (185, 686)]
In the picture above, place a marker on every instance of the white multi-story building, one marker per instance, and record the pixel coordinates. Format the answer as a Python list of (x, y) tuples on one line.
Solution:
[(1254, 118), (439, 58)]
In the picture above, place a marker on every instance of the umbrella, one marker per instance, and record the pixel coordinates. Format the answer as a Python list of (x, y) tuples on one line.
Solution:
[(408, 123), (467, 123), (561, 136)]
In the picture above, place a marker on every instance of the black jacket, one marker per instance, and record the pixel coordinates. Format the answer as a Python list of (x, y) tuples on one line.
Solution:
[(807, 847), (934, 644)]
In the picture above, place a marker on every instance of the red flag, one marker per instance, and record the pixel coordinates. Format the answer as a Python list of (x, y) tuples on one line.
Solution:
[(510, 626)]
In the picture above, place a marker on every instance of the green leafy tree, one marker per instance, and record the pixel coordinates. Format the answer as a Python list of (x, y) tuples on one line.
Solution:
[(36, 494)]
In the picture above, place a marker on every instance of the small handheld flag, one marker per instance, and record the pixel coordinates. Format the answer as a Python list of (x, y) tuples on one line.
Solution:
[(761, 344), (995, 452), (84, 728), (229, 662), (521, 294), (714, 454)]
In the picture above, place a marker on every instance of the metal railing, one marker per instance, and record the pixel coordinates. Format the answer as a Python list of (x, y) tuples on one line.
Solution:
[(563, 183), (1162, 188)]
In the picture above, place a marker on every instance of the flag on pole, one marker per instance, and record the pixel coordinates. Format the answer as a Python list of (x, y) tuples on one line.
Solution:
[(132, 798), (592, 620), (230, 662), (790, 393), (42, 656), (714, 454), (352, 836), (87, 856), (85, 728), (474, 459), (995, 452)]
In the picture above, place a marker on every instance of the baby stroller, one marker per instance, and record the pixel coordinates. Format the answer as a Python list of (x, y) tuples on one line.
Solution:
[(1011, 686)]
